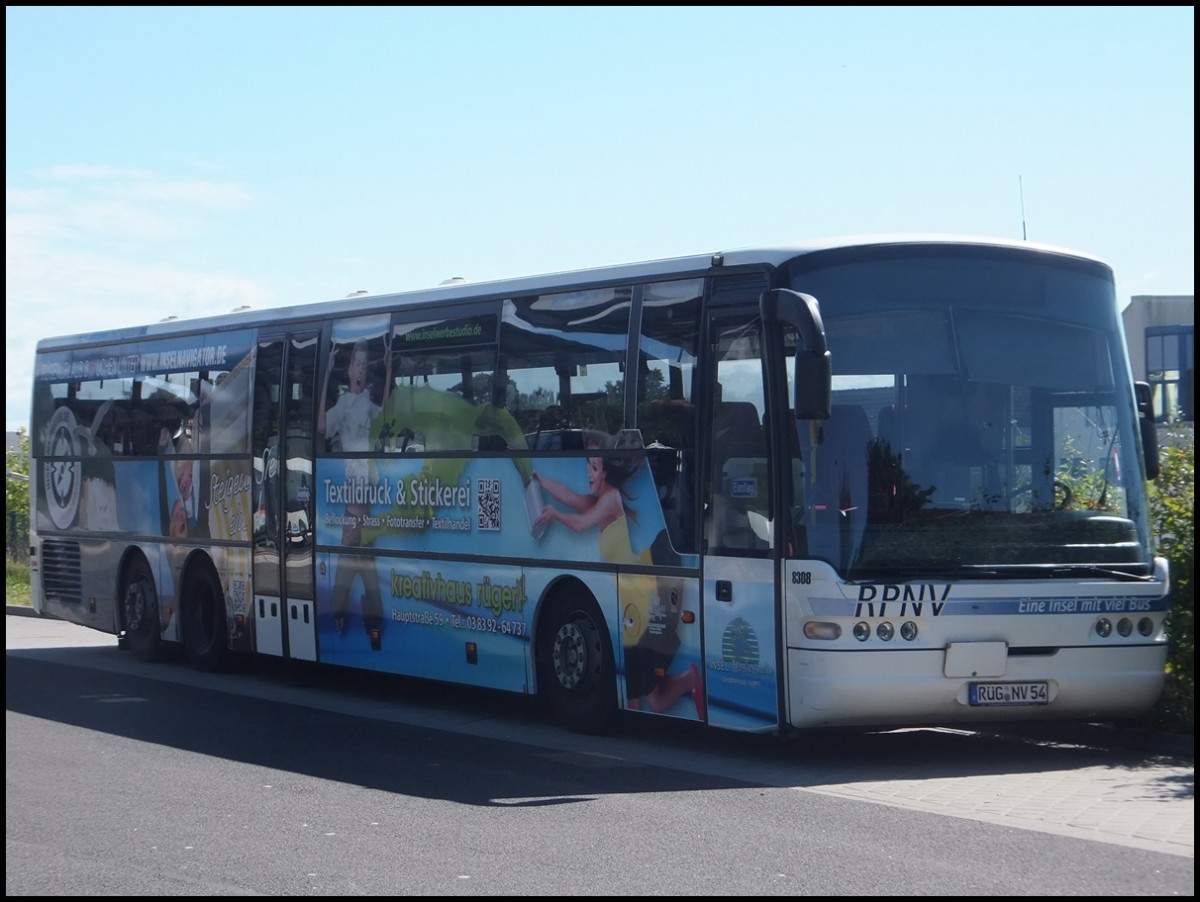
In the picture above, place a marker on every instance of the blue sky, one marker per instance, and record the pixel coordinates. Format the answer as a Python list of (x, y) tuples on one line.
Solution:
[(191, 160)]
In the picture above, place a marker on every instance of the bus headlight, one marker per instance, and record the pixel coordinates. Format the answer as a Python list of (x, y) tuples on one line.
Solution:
[(1145, 626), (862, 631), (885, 631), (908, 630), (1103, 628), (1125, 626)]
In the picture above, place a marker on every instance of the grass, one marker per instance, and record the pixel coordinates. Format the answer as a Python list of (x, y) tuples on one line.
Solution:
[(16, 583)]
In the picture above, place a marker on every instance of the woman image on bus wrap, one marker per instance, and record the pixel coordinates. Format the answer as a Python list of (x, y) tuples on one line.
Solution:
[(347, 426), (650, 605)]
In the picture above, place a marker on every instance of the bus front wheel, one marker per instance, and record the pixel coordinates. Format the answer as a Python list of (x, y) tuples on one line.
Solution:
[(139, 612), (578, 674), (205, 633)]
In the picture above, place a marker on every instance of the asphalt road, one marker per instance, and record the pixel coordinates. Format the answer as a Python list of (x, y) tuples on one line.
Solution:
[(299, 781)]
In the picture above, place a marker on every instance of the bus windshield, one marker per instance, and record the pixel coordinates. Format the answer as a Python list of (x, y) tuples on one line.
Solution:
[(981, 420)]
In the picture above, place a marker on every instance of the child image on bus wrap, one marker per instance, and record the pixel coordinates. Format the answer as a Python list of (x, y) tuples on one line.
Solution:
[(347, 423), (650, 605)]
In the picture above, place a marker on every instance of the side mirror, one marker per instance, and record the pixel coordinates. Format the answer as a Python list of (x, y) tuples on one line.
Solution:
[(1145, 409), (814, 368)]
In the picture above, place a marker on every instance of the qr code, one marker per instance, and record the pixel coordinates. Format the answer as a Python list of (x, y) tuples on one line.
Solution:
[(237, 595), (489, 504)]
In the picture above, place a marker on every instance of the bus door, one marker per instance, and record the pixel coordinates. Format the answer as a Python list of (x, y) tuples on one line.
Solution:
[(738, 594), (285, 620)]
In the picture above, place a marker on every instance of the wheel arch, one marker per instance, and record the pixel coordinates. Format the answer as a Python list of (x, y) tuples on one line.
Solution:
[(575, 657), (558, 591), (198, 578)]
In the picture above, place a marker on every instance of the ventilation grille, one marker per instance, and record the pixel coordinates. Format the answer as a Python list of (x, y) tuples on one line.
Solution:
[(61, 577)]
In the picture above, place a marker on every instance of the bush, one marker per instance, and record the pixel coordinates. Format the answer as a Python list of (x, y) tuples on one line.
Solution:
[(1172, 517), (16, 498)]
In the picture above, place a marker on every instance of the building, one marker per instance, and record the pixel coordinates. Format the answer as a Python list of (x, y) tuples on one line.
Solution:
[(1160, 333)]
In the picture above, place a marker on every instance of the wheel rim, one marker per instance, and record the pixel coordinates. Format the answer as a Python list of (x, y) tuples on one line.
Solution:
[(572, 653), (135, 606)]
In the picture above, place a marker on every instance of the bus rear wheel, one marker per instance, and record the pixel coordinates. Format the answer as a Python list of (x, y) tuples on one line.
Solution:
[(139, 612), (205, 633), (578, 674)]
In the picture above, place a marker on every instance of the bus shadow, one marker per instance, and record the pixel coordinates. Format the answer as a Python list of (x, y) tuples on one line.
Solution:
[(485, 748)]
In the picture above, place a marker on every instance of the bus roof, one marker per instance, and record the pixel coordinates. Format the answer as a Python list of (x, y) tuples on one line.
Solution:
[(457, 289)]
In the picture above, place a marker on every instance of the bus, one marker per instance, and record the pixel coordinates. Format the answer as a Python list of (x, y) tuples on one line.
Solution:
[(868, 482)]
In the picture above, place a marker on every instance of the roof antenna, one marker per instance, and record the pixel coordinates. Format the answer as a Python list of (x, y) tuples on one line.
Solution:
[(1021, 189)]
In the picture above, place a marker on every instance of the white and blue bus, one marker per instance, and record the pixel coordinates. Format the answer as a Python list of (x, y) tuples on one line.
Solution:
[(871, 482)]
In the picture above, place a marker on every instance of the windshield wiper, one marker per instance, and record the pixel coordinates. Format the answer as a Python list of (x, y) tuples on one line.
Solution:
[(1093, 570), (1001, 571), (1067, 571)]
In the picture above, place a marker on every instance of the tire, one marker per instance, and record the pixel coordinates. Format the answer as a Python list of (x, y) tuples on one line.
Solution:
[(205, 631), (140, 627), (578, 676)]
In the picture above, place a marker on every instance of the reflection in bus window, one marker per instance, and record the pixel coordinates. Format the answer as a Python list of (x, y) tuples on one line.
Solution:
[(564, 357)]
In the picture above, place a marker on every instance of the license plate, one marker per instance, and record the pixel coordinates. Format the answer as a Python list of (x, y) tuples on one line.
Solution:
[(983, 694)]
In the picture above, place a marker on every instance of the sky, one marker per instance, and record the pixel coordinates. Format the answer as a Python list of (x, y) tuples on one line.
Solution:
[(192, 160)]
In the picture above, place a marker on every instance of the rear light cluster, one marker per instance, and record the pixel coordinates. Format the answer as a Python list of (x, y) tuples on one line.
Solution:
[(1104, 627)]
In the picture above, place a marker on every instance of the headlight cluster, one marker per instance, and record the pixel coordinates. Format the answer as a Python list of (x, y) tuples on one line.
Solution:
[(1104, 627), (885, 630)]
